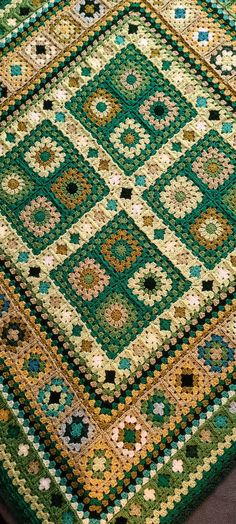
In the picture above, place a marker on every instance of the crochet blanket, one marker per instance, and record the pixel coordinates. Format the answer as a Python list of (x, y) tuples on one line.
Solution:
[(118, 199)]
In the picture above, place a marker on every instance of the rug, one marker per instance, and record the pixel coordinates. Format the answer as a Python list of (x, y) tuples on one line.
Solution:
[(117, 191)]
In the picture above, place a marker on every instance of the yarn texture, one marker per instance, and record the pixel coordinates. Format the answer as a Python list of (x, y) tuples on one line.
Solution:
[(118, 259)]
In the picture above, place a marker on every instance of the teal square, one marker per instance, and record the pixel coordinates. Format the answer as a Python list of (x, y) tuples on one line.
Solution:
[(180, 13), (201, 101), (16, 70), (203, 36), (227, 127)]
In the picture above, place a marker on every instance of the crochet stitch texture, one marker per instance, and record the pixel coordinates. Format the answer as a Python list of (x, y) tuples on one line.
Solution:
[(118, 234)]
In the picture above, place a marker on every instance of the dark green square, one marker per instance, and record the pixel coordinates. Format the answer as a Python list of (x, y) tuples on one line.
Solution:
[(199, 204), (165, 324), (130, 74), (16, 185), (82, 107), (44, 155), (164, 110), (61, 208), (130, 80), (116, 254)]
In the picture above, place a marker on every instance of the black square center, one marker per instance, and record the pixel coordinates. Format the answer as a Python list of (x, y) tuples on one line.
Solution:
[(40, 49), (187, 380), (126, 192), (110, 376)]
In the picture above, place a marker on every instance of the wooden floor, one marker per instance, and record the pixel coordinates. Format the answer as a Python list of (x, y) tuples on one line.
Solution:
[(218, 508)]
